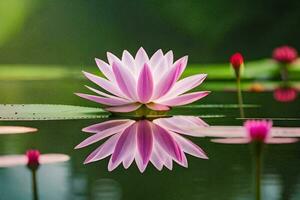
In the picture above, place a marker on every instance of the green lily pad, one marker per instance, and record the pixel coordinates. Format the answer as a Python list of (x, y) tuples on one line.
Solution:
[(210, 116), (15, 112), (271, 118), (29, 112), (221, 106)]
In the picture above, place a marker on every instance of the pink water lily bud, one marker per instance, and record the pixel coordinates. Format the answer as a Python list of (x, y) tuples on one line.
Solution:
[(33, 158), (237, 60), (285, 54), (258, 130)]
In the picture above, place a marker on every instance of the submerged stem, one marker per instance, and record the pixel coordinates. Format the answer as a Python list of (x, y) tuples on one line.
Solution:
[(34, 185), (240, 97), (258, 165)]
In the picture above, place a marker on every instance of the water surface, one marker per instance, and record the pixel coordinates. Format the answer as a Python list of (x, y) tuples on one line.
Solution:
[(228, 174)]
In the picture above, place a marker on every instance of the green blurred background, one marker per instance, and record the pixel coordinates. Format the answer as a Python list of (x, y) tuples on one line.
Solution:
[(48, 42), (74, 32)]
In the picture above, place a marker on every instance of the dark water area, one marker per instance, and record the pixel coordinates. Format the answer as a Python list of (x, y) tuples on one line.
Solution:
[(228, 174)]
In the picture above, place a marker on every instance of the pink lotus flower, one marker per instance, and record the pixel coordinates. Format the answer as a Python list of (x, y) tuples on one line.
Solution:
[(159, 142), (285, 54), (133, 82), (33, 157), (285, 94), (260, 131)]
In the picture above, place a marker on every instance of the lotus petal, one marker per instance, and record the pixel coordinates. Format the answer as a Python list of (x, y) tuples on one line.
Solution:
[(106, 149), (141, 58), (128, 60), (189, 147), (125, 80), (103, 134), (108, 95), (183, 125), (184, 99), (156, 160), (145, 84), (167, 143), (105, 84), (105, 69), (155, 59), (103, 100), (185, 85), (123, 147), (144, 141), (169, 78), (96, 128), (125, 108), (158, 107), (112, 58)]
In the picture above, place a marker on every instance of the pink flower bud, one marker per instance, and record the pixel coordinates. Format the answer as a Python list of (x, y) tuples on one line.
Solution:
[(236, 60), (258, 130), (285, 54), (33, 158)]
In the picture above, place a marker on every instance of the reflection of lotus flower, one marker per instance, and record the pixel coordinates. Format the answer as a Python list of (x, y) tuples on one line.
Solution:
[(158, 141), (133, 82), (285, 94), (259, 131), (285, 54)]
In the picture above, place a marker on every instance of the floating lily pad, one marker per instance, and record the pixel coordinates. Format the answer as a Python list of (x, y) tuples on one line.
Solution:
[(239, 131), (16, 129), (246, 140), (165, 116), (12, 112), (210, 116), (221, 106), (272, 118), (19, 160)]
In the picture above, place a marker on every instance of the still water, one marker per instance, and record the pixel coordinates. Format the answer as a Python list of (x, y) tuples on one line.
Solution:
[(228, 174)]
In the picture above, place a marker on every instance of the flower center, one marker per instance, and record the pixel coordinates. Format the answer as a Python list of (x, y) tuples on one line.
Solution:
[(143, 112)]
